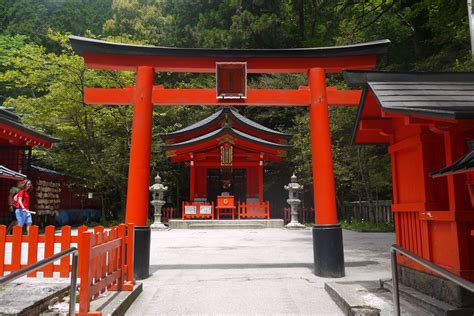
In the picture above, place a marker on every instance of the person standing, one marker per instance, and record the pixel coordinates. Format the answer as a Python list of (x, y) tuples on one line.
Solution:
[(22, 204), (13, 191)]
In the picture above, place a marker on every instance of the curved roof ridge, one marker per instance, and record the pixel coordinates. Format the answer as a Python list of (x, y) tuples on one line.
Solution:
[(254, 124), (223, 130), (82, 45), (463, 164), (7, 173), (217, 116), (200, 124), (12, 120), (363, 77)]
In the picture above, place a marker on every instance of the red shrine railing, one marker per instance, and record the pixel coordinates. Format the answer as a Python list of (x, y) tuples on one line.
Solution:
[(105, 257), (198, 210), (109, 270), (206, 210), (254, 210)]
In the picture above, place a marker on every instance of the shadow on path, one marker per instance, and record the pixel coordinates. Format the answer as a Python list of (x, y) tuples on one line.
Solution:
[(225, 266)]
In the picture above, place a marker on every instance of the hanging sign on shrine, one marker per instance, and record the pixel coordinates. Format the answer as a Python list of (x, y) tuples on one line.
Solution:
[(231, 80), (226, 155)]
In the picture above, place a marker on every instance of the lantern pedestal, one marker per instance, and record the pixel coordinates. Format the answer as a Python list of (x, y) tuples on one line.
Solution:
[(294, 224), (157, 224), (158, 190), (293, 188)]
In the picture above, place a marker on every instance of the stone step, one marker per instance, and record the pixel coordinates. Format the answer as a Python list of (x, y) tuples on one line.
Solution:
[(26, 298), (368, 298), (427, 303), (226, 226)]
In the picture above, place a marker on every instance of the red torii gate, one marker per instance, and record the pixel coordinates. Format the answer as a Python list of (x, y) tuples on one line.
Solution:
[(316, 62)]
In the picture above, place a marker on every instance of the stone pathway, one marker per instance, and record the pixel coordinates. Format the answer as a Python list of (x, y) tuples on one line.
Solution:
[(260, 271)]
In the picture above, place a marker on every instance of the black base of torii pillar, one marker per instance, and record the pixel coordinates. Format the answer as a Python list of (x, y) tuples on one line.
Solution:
[(141, 246), (328, 250)]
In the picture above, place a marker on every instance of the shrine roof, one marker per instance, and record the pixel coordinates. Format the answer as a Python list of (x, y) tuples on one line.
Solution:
[(46, 170), (220, 114), (463, 164), (223, 131), (83, 45), (12, 122), (441, 95), (6, 173)]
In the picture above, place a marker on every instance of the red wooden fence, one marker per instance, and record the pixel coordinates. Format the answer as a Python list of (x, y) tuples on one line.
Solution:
[(102, 257), (254, 210), (35, 242), (105, 257)]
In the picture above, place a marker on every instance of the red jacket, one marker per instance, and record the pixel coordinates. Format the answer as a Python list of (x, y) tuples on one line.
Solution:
[(25, 199)]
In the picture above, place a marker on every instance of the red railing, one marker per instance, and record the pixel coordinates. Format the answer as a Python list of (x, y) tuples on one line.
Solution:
[(102, 262), (254, 210), (47, 241), (105, 257), (197, 213)]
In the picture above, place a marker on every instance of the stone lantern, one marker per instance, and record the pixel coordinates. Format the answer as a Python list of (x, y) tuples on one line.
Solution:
[(293, 189), (158, 190)]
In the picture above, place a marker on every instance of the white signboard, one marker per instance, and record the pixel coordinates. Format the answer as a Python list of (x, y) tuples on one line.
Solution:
[(189, 209), (205, 209)]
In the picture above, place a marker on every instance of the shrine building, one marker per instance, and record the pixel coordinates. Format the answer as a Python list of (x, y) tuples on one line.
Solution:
[(427, 121), (226, 154), (16, 142)]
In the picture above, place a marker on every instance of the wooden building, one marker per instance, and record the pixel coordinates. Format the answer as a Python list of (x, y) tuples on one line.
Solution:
[(16, 141), (226, 154), (427, 121)]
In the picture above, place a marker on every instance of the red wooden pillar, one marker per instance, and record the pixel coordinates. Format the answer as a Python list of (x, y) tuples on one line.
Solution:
[(323, 174), (260, 182), (328, 247), (192, 180), (140, 151)]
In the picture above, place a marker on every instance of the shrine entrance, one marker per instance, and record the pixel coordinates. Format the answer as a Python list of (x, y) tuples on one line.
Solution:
[(218, 179), (231, 67)]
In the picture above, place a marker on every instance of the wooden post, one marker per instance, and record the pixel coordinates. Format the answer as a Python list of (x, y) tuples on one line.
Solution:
[(140, 151), (65, 266), (192, 180), (3, 240), (85, 244), (328, 249), (260, 182), (33, 248), (323, 174), (130, 245)]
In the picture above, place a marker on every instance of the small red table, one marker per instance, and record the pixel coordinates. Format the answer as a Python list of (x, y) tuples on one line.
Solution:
[(225, 206)]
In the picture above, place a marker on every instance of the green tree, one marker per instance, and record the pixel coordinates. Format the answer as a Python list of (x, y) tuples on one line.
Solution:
[(139, 21)]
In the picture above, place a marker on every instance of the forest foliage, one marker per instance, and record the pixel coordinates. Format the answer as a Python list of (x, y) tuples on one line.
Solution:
[(41, 78)]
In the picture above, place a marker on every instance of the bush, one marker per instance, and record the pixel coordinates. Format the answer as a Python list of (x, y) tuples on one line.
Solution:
[(363, 226)]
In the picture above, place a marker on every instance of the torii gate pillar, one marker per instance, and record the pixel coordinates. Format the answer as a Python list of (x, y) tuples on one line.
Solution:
[(328, 247), (139, 170)]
